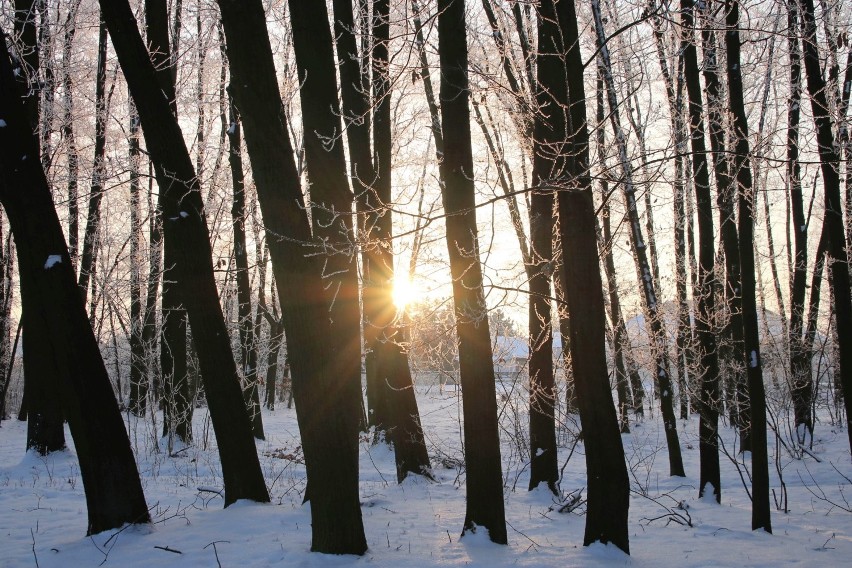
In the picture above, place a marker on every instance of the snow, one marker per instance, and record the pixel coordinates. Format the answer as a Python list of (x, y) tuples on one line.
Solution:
[(752, 359), (52, 260), (2, 123), (184, 214), (418, 523)]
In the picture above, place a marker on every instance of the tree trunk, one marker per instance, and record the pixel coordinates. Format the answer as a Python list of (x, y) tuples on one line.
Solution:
[(757, 399), (93, 219), (390, 389), (549, 138), (110, 478), (138, 375), (829, 156), (605, 242), (608, 487), (329, 442), (248, 341), (484, 479), (637, 241), (185, 230), (800, 361)]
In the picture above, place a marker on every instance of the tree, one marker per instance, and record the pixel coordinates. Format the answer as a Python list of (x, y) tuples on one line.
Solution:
[(741, 166), (836, 240), (549, 135), (390, 389), (709, 370), (110, 478), (646, 281), (484, 480), (186, 230), (329, 442), (609, 487)]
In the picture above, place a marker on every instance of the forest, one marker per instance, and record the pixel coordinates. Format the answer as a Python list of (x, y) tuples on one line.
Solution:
[(454, 282)]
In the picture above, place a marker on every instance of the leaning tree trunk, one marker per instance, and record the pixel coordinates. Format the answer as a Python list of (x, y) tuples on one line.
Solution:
[(609, 487), (760, 469), (482, 445), (330, 445), (606, 242), (248, 341), (637, 241), (110, 477), (185, 228), (93, 219)]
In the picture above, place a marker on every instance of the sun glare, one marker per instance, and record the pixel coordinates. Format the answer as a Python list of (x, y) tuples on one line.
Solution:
[(404, 293)]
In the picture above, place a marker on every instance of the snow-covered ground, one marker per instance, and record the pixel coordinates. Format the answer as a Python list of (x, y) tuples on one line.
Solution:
[(43, 510)]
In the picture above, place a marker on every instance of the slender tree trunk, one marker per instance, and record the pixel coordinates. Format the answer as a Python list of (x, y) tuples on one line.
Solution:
[(138, 376), (110, 478), (605, 242), (185, 228), (68, 131), (637, 241), (248, 341), (608, 488), (93, 219), (482, 445), (329, 442), (836, 245), (549, 138), (800, 361), (760, 469)]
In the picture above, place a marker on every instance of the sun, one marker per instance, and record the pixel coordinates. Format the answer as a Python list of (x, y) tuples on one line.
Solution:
[(404, 293)]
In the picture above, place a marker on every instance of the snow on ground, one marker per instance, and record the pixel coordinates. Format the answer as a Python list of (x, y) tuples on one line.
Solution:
[(43, 509)]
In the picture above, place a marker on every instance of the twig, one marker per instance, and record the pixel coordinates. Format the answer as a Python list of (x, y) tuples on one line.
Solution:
[(167, 549), (216, 552), (35, 556)]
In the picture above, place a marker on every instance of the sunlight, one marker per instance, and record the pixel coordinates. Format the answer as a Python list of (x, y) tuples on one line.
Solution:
[(404, 293)]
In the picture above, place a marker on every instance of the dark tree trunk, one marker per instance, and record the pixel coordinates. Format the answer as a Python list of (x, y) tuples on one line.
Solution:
[(482, 444), (68, 132), (93, 219), (329, 442), (185, 229), (331, 198), (40, 406), (609, 487), (709, 370), (248, 341), (836, 239), (800, 360), (110, 478), (177, 389), (138, 377), (549, 138), (757, 399), (390, 389), (606, 242)]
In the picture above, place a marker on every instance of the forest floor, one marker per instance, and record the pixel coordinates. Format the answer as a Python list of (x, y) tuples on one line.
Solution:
[(417, 523)]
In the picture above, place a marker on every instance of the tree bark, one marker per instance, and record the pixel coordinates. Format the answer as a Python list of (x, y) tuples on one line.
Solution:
[(110, 478), (757, 399), (609, 487), (836, 239), (186, 229), (482, 445), (330, 445)]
